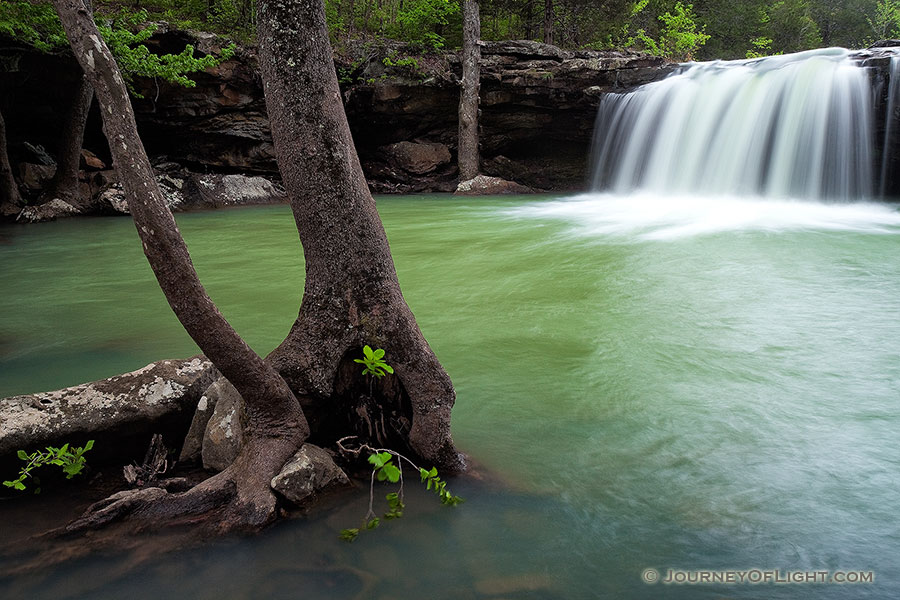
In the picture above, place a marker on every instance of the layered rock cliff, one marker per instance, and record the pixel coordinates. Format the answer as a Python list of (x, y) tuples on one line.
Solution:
[(537, 102)]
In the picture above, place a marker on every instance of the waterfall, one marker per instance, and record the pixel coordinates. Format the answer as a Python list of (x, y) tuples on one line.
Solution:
[(785, 127)]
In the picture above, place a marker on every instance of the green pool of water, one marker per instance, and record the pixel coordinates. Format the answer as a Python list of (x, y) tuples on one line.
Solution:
[(694, 386)]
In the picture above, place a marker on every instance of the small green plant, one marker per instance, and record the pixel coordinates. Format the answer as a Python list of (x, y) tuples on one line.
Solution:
[(385, 469), (373, 362), (71, 460)]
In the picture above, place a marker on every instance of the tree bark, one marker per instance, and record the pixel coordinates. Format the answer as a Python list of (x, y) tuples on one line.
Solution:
[(9, 191), (275, 424), (548, 21), (64, 184), (468, 98), (352, 296)]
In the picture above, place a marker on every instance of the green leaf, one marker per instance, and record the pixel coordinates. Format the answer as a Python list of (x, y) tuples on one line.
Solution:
[(391, 472), (89, 445), (378, 354), (375, 522), (18, 485), (359, 360), (369, 353), (388, 368), (22, 455), (380, 459), (349, 535)]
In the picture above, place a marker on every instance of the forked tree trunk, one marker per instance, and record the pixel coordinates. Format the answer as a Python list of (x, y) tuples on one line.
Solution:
[(276, 425), (548, 21), (352, 296), (468, 97), (64, 184), (9, 191)]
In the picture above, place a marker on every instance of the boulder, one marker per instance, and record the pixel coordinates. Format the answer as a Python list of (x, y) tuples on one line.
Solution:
[(484, 185), (48, 211), (417, 157), (112, 200), (34, 176), (193, 441), (224, 432), (9, 210), (125, 409), (89, 160), (215, 191), (309, 472)]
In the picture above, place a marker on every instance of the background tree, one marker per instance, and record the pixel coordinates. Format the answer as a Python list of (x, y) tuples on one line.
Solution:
[(9, 190), (468, 96)]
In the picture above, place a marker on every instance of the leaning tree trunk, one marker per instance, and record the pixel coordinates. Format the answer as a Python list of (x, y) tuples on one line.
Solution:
[(9, 191), (64, 184), (548, 21), (468, 97), (275, 424), (352, 296)]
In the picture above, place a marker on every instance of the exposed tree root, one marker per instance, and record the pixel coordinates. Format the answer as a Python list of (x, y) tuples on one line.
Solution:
[(239, 498)]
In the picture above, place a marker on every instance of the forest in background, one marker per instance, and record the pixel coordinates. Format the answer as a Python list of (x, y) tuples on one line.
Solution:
[(702, 30)]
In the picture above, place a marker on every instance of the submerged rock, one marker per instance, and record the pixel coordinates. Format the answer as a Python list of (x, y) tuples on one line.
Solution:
[(309, 472), (123, 409)]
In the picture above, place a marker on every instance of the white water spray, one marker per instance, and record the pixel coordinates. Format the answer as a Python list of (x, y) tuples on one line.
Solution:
[(795, 126)]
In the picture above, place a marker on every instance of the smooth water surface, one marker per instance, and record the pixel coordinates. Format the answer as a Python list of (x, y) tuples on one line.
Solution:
[(707, 385)]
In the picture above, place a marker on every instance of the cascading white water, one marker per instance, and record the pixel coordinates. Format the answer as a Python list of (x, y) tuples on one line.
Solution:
[(794, 126)]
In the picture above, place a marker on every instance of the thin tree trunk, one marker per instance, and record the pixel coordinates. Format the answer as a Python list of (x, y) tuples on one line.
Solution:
[(548, 21), (9, 191), (64, 184), (275, 424), (468, 98), (352, 296)]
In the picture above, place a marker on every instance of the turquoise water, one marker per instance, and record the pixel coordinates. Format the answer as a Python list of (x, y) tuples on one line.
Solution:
[(671, 384)]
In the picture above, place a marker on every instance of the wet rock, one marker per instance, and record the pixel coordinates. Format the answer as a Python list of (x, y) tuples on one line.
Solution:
[(309, 472), (417, 157), (484, 185), (115, 412), (48, 211), (224, 432)]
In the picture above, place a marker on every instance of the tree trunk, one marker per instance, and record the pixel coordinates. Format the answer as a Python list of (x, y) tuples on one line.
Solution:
[(468, 98), (548, 21), (9, 191), (275, 424), (352, 296), (64, 184)]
